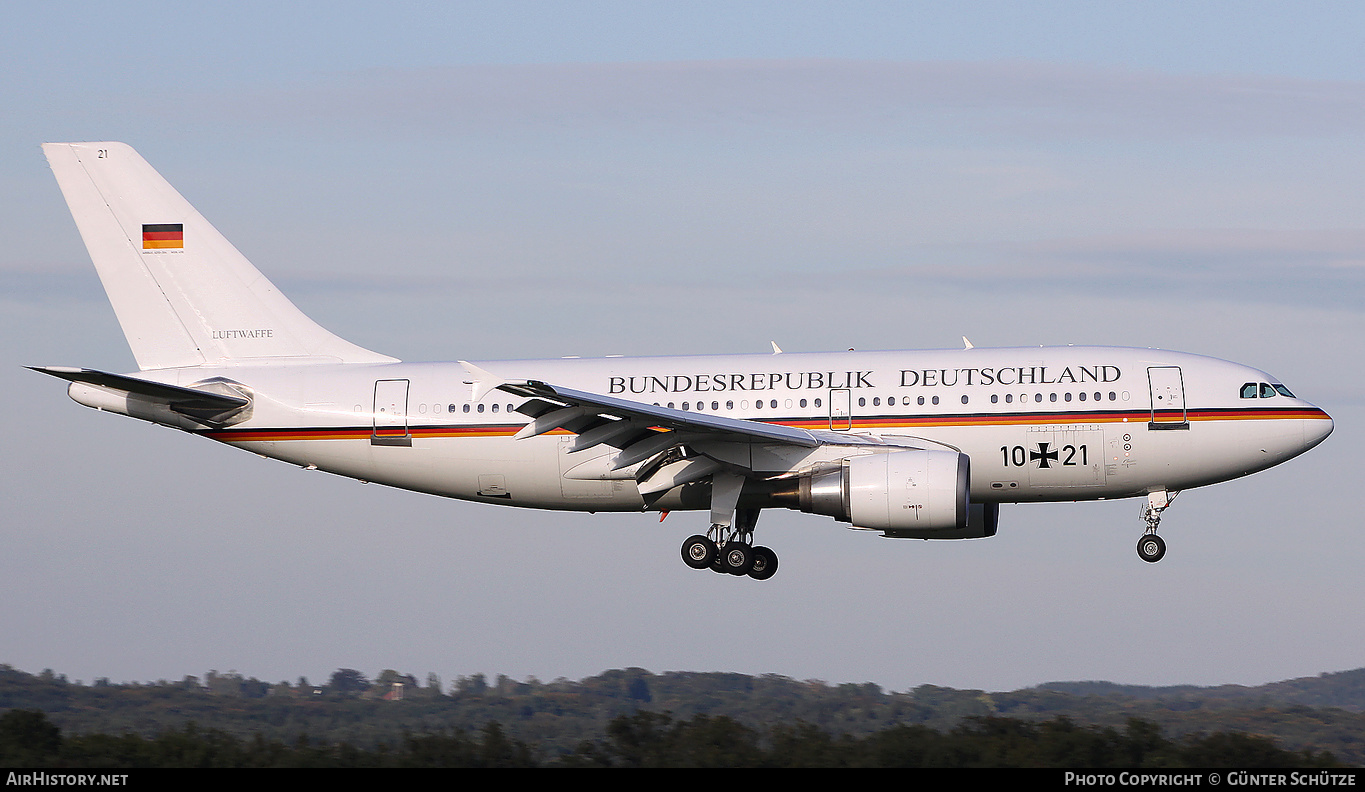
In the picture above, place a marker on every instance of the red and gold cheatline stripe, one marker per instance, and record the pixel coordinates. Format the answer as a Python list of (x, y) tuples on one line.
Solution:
[(1303, 413), (1042, 418), (163, 235), (888, 422), (361, 433)]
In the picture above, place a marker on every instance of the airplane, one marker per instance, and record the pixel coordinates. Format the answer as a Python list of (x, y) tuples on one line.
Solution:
[(912, 444)]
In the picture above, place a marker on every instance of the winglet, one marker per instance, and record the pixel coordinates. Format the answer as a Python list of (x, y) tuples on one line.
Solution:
[(777, 350), (967, 344)]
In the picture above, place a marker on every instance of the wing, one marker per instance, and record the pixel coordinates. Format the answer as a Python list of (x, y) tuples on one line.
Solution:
[(625, 418), (662, 448)]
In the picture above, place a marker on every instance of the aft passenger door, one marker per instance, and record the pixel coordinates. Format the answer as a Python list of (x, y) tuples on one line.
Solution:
[(390, 413)]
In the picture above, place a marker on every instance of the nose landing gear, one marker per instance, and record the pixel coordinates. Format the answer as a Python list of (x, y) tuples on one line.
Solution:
[(1152, 548)]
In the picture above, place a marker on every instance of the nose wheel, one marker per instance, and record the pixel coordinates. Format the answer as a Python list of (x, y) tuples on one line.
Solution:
[(1151, 548)]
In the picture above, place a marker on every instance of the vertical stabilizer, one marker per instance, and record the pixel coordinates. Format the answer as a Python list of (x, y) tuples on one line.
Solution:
[(182, 293)]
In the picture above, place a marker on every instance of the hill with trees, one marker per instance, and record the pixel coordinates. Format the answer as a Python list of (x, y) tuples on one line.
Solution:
[(561, 720)]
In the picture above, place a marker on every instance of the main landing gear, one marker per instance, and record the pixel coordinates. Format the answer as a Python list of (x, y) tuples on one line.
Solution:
[(730, 550), (1151, 548)]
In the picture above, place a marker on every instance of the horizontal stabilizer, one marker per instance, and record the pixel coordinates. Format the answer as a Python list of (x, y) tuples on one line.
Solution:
[(209, 406), (155, 391)]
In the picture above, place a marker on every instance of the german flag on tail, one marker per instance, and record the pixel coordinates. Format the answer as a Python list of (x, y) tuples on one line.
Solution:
[(162, 236)]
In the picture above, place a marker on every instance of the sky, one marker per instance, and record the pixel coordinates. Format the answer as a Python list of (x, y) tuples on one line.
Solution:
[(442, 181)]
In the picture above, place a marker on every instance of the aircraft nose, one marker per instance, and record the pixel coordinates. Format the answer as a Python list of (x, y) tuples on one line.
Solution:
[(1315, 430)]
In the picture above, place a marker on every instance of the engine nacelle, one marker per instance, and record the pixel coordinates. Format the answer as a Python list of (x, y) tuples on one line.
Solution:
[(982, 519), (921, 494)]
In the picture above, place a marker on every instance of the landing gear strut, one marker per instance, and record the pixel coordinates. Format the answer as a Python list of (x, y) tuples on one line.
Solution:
[(1151, 548)]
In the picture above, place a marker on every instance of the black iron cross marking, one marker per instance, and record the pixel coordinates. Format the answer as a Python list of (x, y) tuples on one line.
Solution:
[(1042, 456)]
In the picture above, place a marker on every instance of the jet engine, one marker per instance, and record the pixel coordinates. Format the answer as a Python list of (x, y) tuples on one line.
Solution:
[(912, 494)]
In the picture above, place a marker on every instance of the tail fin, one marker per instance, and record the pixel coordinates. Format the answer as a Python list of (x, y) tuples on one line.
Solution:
[(183, 294)]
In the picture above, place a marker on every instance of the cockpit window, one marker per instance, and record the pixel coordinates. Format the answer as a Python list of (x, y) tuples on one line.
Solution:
[(1264, 390)]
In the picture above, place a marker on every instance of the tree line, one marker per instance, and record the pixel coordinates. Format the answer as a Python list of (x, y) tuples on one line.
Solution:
[(657, 740), (562, 718)]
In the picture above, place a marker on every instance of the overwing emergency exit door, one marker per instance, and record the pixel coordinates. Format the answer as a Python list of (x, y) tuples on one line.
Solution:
[(841, 409)]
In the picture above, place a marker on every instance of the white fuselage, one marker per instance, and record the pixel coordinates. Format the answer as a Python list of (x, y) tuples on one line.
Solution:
[(1038, 424)]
